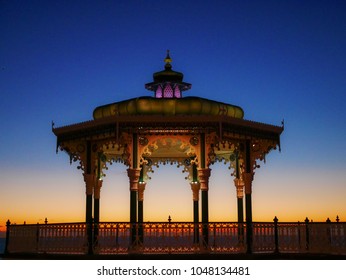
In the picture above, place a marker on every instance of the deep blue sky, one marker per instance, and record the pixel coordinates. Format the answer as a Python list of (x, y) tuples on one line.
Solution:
[(276, 59)]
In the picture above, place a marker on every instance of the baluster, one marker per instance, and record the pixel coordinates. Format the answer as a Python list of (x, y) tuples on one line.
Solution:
[(117, 236), (307, 236), (214, 234)]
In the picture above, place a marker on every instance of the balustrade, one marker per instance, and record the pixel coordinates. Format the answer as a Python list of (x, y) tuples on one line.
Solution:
[(62, 238), (227, 237), (263, 237), (174, 237), (290, 237)]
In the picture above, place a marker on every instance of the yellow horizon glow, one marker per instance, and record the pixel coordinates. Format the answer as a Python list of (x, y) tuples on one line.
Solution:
[(62, 198)]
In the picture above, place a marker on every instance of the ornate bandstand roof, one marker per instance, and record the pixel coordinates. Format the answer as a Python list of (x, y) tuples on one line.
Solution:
[(188, 106), (169, 113)]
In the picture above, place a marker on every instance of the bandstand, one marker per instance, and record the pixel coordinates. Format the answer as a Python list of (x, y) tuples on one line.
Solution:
[(192, 132)]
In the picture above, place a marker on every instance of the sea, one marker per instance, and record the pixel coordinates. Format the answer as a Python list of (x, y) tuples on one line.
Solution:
[(2, 245)]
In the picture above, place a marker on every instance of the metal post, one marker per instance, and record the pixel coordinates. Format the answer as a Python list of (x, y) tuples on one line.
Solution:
[(329, 235), (299, 237), (37, 236), (276, 234), (307, 237), (8, 224)]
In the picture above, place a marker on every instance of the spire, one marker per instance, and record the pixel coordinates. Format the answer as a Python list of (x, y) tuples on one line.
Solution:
[(168, 61), (168, 83)]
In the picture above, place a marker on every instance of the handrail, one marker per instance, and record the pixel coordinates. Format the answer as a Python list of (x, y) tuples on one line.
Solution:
[(176, 237)]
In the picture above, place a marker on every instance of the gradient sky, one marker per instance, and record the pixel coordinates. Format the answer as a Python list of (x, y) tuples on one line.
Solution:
[(276, 59)]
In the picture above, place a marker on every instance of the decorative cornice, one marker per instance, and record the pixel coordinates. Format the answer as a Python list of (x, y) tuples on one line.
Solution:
[(109, 124)]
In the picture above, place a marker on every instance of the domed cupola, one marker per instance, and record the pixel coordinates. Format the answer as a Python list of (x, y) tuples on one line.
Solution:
[(168, 83)]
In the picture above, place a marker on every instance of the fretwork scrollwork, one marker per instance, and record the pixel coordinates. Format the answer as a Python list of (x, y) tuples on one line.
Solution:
[(166, 148), (194, 140), (151, 163), (259, 149), (76, 151), (225, 151)]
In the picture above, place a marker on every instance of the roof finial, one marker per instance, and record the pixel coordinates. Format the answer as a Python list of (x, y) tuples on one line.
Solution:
[(168, 61)]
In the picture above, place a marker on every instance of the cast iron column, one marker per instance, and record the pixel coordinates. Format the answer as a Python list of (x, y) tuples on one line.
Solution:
[(203, 176), (195, 187), (89, 180), (239, 184), (141, 188), (247, 178), (97, 193), (133, 177), (89, 183), (134, 174), (240, 196)]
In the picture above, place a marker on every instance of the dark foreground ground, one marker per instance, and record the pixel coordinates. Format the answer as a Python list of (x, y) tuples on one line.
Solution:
[(258, 256)]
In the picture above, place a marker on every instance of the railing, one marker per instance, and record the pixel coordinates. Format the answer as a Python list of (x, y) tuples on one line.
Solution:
[(184, 237), (322, 238), (47, 238)]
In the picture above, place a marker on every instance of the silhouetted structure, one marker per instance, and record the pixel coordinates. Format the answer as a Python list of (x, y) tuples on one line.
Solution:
[(192, 132)]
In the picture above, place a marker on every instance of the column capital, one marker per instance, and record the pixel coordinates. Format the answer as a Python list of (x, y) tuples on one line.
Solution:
[(133, 174), (203, 177), (141, 188), (195, 187), (248, 177), (239, 184), (89, 180), (97, 190)]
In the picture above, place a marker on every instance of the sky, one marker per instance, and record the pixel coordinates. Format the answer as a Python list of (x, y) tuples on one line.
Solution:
[(278, 60)]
